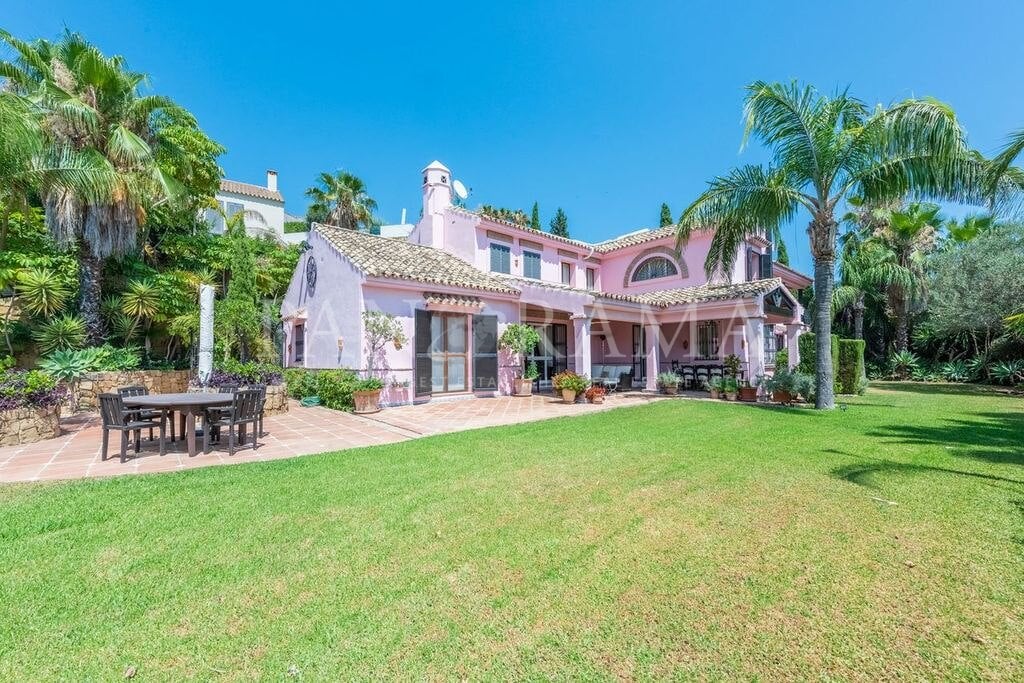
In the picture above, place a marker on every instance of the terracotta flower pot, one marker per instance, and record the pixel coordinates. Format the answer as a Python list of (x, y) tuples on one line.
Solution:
[(523, 387), (748, 394), (714, 393), (598, 399), (568, 395), (782, 397), (367, 401), (670, 390), (730, 396)]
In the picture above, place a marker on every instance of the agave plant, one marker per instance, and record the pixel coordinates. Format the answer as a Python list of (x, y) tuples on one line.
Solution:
[(903, 364), (956, 371), (67, 364), (977, 367), (65, 332), (1009, 371), (141, 300)]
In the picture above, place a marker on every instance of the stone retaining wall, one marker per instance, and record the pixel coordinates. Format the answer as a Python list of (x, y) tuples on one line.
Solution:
[(277, 398), (92, 384), (28, 425)]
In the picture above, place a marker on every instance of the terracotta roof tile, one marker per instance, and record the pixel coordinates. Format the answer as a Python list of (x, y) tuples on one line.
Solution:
[(396, 258), (635, 238), (441, 299), (250, 190), (709, 292)]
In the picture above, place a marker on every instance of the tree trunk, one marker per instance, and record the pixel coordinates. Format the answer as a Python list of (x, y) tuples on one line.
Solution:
[(90, 271), (824, 274), (858, 317), (902, 322)]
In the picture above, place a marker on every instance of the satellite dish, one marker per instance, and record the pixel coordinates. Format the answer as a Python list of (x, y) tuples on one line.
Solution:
[(460, 189)]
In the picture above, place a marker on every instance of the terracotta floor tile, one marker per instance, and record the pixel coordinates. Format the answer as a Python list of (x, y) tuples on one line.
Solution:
[(300, 431)]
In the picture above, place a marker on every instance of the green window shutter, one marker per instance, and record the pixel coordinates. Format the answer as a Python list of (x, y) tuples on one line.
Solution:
[(424, 365), (485, 352)]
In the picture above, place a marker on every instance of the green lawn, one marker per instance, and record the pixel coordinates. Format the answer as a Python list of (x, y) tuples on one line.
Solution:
[(680, 539)]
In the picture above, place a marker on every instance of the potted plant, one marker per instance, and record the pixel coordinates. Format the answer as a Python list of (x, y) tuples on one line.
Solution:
[(732, 364), (748, 392), (520, 339), (570, 384), (730, 386), (595, 394), (366, 395), (714, 385), (669, 383)]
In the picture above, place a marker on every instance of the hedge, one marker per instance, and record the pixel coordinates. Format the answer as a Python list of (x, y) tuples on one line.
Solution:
[(333, 387), (851, 373), (809, 356)]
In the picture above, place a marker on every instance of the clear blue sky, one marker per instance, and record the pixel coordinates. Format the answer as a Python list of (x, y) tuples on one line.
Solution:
[(604, 108)]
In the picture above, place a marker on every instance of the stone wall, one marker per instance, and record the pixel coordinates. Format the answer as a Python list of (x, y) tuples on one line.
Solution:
[(277, 398), (92, 384), (28, 425)]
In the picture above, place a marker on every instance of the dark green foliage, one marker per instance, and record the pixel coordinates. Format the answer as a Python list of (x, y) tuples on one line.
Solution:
[(666, 216), (535, 218), (238, 318), (333, 387), (851, 372), (809, 355), (560, 223), (296, 226)]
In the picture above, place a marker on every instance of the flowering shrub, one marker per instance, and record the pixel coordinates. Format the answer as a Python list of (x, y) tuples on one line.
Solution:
[(593, 392), (571, 381), (30, 389)]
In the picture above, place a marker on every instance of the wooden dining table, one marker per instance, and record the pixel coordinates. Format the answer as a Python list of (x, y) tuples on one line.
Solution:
[(187, 405)]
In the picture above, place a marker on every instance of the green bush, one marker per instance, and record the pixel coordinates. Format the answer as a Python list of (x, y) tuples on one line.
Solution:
[(782, 359), (333, 387), (851, 370), (295, 226), (809, 356)]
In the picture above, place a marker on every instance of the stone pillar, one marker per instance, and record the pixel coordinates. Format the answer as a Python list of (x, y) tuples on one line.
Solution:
[(205, 331), (581, 335), (793, 333), (653, 333), (753, 334)]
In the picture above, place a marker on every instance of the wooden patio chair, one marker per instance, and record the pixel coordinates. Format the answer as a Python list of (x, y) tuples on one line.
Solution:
[(117, 419), (143, 413), (244, 411)]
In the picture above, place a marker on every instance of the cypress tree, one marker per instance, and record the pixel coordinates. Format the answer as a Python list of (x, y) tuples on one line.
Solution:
[(535, 218), (666, 216), (560, 224)]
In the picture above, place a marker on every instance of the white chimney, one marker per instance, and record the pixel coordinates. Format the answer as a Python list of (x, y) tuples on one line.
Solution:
[(403, 217), (272, 180)]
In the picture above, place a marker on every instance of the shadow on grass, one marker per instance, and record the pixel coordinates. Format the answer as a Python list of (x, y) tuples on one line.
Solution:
[(860, 473), (992, 437), (946, 388)]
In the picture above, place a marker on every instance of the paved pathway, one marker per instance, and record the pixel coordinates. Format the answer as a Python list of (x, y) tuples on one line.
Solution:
[(300, 431)]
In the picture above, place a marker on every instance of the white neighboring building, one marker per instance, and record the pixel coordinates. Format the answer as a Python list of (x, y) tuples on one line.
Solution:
[(263, 208)]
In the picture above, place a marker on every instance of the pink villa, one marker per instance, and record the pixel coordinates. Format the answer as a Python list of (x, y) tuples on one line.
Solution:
[(627, 308)]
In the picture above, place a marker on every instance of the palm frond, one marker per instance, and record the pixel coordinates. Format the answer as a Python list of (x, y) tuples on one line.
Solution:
[(750, 200)]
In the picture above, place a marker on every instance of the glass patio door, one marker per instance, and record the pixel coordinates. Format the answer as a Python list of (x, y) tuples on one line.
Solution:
[(550, 353), (448, 348)]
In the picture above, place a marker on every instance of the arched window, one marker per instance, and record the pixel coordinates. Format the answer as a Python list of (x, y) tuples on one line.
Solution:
[(654, 268)]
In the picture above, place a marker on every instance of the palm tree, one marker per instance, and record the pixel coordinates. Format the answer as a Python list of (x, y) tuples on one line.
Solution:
[(967, 228), (865, 266), (909, 235), (92, 105), (29, 163), (341, 200), (825, 149)]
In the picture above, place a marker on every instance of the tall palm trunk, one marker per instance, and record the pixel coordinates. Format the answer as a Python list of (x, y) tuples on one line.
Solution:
[(858, 317), (90, 272), (902, 312), (823, 250)]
